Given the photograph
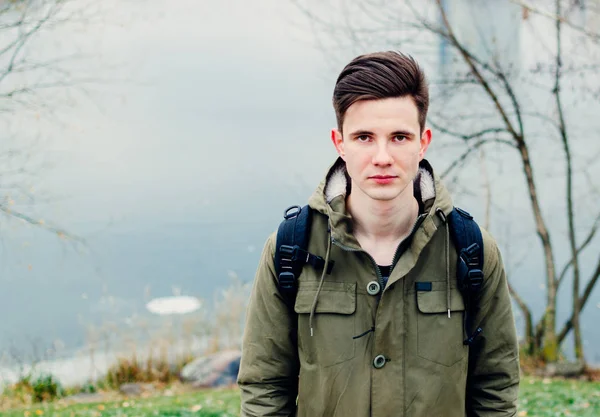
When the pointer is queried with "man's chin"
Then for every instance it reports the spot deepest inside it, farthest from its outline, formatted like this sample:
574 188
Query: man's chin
383 197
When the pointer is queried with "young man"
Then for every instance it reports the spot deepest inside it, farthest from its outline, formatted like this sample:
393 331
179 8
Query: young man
385 331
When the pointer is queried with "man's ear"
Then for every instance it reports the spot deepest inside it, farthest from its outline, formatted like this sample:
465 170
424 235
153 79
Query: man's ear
425 141
338 142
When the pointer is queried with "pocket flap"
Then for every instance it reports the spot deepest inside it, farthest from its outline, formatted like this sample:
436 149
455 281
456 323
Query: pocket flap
436 301
335 297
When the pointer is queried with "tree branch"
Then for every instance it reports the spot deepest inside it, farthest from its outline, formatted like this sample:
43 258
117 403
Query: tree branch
23 38
558 18
586 294
526 314
460 160
569 183
480 78
468 136
585 243
39 223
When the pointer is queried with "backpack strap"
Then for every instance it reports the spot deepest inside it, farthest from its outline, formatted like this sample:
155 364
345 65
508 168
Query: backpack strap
291 251
468 241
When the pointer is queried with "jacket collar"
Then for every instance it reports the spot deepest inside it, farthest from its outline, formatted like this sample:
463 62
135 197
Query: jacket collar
330 199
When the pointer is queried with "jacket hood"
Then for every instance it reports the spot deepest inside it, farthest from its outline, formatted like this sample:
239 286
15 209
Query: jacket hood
330 199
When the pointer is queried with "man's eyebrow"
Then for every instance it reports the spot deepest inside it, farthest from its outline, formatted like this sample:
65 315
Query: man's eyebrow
361 132
402 133
394 133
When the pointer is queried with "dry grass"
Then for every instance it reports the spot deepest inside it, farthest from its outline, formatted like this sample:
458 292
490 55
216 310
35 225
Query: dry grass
155 368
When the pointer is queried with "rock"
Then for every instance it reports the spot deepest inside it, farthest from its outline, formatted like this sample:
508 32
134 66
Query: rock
85 397
135 389
217 370
564 369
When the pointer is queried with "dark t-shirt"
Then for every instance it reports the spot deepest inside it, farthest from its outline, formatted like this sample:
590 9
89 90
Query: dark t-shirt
385 273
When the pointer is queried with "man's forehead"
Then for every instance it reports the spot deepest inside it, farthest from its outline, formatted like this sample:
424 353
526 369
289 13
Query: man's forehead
399 110
382 124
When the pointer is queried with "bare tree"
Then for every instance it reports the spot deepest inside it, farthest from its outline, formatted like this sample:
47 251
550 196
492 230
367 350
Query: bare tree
35 81
494 94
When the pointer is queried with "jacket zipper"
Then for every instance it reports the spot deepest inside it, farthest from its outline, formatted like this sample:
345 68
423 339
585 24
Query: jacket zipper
420 217
349 249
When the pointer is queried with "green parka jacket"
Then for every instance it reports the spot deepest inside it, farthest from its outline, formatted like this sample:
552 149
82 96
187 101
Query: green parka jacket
397 353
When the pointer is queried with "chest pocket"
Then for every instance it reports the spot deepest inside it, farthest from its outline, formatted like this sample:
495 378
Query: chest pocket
333 322
439 338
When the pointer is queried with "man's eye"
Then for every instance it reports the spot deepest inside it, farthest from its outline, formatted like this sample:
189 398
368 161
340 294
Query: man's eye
362 138
399 138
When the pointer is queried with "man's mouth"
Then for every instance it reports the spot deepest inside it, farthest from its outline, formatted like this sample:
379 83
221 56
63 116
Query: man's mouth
383 179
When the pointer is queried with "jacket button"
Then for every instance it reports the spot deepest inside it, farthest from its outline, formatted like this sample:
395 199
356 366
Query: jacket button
373 288
379 361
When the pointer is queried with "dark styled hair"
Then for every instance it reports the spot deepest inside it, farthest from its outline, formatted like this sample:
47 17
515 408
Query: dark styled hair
377 76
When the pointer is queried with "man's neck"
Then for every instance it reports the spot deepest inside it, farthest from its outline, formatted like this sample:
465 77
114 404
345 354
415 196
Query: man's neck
384 221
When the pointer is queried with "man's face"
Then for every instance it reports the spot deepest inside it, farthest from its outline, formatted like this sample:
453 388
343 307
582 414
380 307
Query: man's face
382 146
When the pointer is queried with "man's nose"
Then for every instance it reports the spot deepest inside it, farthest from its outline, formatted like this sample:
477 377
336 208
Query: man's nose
382 155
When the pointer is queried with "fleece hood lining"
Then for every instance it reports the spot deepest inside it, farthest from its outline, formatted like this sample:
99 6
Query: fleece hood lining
337 183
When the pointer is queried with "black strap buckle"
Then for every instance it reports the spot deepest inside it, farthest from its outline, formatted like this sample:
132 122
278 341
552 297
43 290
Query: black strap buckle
287 281
293 258
288 252
474 279
471 254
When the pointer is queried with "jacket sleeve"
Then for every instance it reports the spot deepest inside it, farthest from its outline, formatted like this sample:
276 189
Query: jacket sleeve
268 376
494 373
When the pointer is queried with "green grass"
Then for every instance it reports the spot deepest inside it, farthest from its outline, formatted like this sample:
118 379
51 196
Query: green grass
538 398
213 403
559 398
